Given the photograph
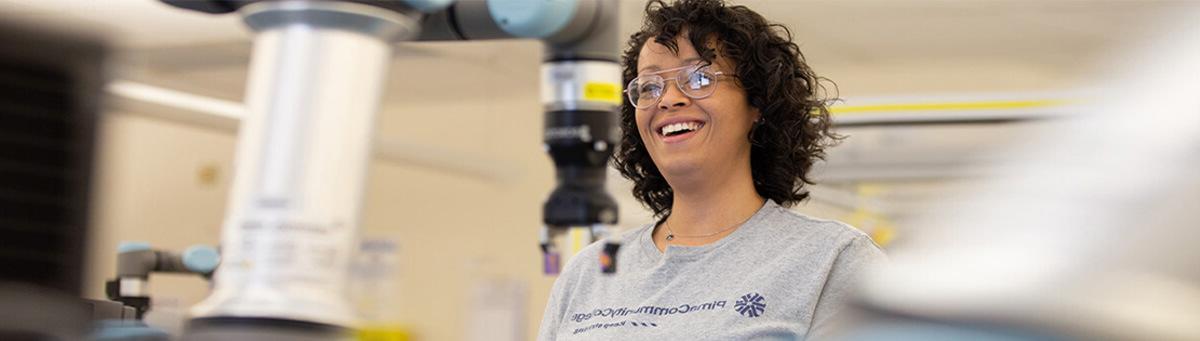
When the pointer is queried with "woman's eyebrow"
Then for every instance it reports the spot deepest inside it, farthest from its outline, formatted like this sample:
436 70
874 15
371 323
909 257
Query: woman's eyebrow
654 67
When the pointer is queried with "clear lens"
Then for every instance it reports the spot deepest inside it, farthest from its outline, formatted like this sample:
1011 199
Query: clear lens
645 91
696 83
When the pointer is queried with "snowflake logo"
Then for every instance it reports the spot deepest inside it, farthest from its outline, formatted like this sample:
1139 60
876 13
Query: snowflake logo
750 305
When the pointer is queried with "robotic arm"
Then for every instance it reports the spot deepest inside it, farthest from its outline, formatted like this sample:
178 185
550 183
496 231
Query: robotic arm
581 96
315 83
136 261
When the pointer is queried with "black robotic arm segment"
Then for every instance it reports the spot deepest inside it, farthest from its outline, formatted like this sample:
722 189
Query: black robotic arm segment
209 6
230 6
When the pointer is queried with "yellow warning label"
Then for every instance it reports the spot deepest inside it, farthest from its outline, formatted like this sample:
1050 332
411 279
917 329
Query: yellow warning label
981 105
384 333
602 92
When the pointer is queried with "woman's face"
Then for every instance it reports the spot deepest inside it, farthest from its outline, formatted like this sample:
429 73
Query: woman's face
722 121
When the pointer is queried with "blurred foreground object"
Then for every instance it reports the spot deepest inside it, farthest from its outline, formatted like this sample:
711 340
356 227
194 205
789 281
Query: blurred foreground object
1090 237
50 83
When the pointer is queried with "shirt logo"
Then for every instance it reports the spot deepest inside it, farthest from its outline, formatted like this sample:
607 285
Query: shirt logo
750 305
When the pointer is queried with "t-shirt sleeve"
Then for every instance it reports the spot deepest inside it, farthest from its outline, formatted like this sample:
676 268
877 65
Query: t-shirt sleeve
555 307
572 273
859 255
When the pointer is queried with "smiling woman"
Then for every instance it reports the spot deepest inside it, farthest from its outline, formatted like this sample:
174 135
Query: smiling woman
723 122
790 126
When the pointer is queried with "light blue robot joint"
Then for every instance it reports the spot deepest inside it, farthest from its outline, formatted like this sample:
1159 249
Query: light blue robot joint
132 246
429 6
201 258
532 18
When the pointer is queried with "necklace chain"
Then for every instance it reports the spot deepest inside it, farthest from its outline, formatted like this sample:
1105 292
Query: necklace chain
671 233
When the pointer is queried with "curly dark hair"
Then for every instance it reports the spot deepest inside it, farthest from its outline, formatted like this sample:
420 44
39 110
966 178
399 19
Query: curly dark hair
794 129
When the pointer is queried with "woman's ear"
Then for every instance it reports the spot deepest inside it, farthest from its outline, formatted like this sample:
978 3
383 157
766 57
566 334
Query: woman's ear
754 126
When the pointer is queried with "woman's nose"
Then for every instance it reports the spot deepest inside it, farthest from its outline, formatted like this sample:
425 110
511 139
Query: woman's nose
672 97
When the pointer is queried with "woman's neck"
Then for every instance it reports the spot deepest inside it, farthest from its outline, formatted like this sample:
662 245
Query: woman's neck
711 207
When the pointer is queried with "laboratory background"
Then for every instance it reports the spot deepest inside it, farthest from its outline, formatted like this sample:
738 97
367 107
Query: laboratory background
1029 165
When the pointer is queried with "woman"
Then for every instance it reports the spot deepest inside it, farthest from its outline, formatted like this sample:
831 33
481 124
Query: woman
722 125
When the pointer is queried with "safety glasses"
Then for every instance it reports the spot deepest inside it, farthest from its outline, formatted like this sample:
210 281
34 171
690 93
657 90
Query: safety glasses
694 81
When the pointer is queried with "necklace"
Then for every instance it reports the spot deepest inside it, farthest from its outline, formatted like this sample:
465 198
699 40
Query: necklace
671 234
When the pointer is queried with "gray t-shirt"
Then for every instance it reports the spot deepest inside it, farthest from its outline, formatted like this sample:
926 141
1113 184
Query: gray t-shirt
780 276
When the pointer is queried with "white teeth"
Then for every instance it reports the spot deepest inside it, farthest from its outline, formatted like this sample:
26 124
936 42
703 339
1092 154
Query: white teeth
676 127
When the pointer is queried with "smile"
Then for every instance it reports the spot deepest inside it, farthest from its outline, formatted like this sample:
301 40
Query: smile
679 131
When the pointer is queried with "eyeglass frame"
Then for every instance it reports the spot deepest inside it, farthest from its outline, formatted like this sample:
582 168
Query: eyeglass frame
717 75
